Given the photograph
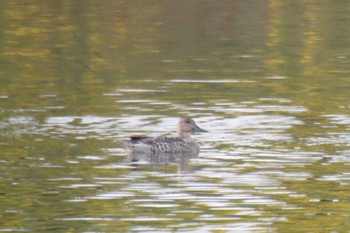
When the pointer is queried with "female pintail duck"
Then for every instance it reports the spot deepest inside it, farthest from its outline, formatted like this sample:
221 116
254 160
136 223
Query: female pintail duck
164 144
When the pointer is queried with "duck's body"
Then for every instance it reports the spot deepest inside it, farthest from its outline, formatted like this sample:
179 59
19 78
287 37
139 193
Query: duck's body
164 144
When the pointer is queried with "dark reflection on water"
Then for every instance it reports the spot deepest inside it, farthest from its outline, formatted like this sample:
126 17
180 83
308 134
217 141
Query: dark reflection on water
268 79
163 159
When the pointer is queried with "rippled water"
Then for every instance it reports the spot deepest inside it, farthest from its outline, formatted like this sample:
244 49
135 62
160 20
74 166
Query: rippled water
253 173
271 88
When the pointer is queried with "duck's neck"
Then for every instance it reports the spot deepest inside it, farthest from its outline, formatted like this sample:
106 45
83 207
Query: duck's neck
184 136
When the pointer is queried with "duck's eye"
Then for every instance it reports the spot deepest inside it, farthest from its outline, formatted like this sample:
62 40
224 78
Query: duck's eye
188 122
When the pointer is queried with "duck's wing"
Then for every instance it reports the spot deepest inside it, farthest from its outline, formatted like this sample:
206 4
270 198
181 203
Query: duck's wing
167 144
166 139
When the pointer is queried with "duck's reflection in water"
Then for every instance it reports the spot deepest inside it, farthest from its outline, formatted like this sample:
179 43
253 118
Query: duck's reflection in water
182 159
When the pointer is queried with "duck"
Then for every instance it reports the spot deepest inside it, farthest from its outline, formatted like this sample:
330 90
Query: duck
183 143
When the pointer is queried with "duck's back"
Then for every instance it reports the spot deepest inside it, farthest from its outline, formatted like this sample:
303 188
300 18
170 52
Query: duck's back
162 144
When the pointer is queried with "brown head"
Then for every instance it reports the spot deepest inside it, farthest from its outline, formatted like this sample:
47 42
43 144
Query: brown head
187 125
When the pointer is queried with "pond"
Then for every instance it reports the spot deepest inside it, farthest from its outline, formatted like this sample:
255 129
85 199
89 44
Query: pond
268 80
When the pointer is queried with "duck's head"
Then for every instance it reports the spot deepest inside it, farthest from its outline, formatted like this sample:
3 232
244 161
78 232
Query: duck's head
187 125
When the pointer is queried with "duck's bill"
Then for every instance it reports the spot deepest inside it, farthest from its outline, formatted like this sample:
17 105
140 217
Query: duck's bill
197 129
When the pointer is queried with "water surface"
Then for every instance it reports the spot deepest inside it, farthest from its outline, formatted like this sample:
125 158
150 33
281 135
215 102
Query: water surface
267 79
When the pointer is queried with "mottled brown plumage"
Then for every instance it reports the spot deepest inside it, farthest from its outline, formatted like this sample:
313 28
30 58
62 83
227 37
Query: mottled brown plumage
163 144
